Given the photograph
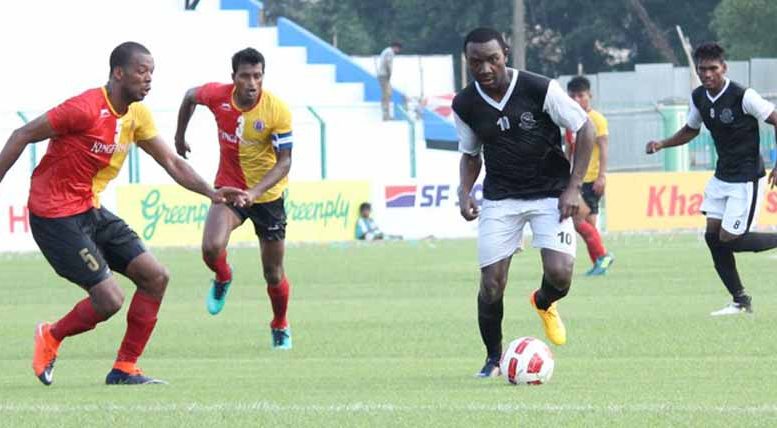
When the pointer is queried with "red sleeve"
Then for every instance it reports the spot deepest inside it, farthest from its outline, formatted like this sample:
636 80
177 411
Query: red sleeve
71 116
207 93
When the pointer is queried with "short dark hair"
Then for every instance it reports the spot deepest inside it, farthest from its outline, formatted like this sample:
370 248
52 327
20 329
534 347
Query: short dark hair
121 55
247 56
709 51
396 44
579 84
365 206
483 35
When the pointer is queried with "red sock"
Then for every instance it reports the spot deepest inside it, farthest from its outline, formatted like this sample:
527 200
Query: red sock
81 318
141 319
220 267
592 239
279 297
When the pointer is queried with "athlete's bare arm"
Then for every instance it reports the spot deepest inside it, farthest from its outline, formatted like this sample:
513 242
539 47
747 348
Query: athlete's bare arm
38 129
683 136
184 174
185 112
469 169
569 201
274 175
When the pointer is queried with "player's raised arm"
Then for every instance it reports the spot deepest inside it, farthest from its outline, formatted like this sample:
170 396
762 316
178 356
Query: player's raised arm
683 136
185 112
186 176
37 130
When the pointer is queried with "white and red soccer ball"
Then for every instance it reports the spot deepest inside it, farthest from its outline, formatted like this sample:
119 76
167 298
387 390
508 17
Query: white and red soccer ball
527 361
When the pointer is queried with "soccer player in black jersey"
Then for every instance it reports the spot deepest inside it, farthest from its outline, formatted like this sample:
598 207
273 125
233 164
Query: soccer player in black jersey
514 117
732 197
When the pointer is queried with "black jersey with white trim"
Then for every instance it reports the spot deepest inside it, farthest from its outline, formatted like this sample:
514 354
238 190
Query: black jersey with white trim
519 136
734 131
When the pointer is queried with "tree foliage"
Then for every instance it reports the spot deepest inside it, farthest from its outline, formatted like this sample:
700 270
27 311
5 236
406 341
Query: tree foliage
601 35
744 27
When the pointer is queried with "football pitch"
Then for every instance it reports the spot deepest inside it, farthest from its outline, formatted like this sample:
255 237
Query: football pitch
386 335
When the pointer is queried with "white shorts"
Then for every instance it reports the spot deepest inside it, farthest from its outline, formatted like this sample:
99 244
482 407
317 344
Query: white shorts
500 231
735 204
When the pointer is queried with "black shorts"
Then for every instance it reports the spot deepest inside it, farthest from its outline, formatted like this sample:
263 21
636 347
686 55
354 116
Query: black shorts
269 219
590 197
84 248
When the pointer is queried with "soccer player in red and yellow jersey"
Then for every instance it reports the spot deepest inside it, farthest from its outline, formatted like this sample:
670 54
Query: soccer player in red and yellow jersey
254 133
91 134
579 89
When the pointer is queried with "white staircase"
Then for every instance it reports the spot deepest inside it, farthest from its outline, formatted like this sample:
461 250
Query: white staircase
56 49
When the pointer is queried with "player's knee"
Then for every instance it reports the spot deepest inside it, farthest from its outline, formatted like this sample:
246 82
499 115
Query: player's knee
161 279
211 250
109 302
712 239
492 289
273 274
559 275
155 282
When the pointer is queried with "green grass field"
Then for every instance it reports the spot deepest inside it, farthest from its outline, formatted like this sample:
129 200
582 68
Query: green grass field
386 335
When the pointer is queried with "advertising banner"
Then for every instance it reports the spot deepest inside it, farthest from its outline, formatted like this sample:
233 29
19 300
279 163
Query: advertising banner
168 215
665 201
422 208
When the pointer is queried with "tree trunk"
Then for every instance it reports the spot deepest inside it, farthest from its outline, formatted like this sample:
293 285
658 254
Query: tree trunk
657 38
519 35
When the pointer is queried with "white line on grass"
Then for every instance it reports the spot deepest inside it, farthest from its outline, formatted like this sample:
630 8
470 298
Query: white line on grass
270 407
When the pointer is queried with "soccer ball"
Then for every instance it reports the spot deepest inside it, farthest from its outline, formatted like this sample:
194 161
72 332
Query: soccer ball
527 361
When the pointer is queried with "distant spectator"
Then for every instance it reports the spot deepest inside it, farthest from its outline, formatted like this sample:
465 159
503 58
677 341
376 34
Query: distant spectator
385 67
366 228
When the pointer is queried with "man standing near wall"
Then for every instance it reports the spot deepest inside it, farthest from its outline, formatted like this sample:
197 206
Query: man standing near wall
579 89
385 67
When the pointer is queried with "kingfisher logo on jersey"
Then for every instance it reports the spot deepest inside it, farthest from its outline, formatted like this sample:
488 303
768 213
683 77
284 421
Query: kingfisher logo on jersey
100 147
400 196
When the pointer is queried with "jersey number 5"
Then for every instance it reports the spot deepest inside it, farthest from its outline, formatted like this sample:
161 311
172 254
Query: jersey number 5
89 259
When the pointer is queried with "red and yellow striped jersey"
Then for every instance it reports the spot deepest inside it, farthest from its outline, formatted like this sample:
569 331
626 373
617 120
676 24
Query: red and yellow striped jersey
248 139
90 145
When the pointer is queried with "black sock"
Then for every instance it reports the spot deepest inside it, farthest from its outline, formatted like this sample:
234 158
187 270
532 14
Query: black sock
726 266
549 293
490 323
753 242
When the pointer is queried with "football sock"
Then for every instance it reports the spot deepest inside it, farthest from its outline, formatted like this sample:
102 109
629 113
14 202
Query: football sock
490 322
548 293
726 266
141 319
279 297
592 239
753 242
219 266
81 318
